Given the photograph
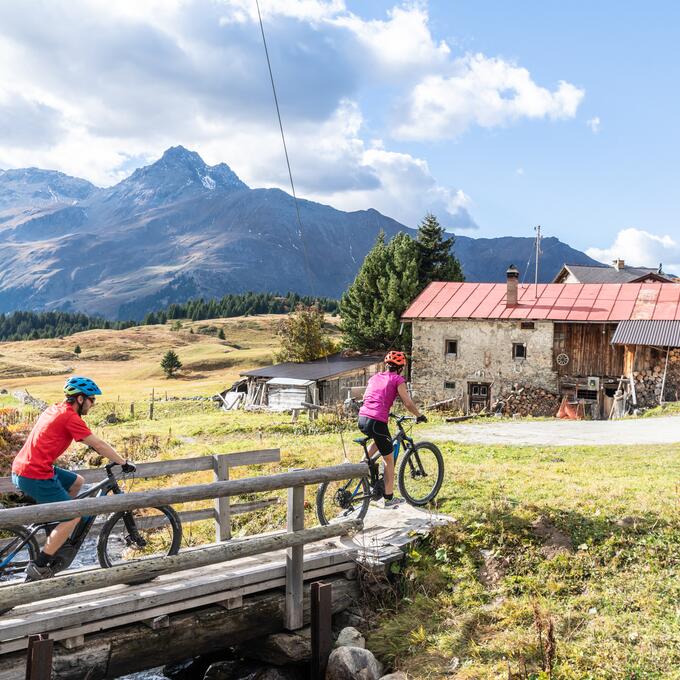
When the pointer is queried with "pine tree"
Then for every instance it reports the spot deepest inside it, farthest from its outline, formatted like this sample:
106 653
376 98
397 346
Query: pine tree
372 306
303 337
437 263
77 349
221 335
170 363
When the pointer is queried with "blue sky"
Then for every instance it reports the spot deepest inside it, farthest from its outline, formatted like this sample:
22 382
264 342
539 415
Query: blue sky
496 116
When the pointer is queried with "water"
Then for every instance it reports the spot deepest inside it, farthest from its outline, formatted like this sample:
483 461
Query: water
153 674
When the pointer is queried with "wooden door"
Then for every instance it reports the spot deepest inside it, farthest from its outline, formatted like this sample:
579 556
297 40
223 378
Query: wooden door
479 397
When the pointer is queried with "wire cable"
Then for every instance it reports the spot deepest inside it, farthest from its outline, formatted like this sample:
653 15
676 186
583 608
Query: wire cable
301 234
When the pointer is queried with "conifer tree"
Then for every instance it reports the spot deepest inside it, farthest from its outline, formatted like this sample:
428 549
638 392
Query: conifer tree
221 335
372 306
437 263
170 363
77 349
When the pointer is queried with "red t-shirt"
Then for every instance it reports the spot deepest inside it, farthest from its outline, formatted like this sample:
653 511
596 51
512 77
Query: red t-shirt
52 434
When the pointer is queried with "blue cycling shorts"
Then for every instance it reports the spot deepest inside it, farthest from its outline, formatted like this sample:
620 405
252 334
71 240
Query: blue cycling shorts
47 490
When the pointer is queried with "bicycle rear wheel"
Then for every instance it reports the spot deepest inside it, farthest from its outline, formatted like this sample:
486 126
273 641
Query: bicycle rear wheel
341 500
421 473
17 549
139 534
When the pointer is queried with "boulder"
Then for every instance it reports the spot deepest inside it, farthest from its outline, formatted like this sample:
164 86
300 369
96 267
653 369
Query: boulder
350 637
353 663
399 675
280 649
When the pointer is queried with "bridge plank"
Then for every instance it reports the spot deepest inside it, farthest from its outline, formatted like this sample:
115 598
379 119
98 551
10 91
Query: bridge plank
163 468
142 600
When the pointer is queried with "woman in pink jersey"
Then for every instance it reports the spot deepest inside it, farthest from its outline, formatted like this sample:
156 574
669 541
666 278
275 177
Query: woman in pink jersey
381 391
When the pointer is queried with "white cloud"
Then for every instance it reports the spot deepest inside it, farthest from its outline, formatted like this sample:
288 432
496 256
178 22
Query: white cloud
641 248
401 42
487 92
594 124
92 88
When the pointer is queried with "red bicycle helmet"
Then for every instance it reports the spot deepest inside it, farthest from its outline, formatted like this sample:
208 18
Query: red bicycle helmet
396 358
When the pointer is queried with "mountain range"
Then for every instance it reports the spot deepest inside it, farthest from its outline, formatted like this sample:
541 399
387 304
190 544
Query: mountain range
180 228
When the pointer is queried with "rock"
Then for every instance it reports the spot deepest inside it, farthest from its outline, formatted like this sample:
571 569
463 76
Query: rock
221 670
350 637
349 617
395 676
281 648
3 391
353 663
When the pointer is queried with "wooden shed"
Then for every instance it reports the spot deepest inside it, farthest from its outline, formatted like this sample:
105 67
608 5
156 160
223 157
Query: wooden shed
325 382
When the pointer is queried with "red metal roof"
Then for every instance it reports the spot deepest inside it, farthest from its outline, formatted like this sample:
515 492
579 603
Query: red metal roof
555 301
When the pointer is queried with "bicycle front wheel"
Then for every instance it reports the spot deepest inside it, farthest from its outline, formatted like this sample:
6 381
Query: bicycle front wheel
341 500
138 535
17 549
421 473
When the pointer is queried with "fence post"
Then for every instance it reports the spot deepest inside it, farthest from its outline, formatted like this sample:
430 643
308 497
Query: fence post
39 657
320 596
222 506
295 560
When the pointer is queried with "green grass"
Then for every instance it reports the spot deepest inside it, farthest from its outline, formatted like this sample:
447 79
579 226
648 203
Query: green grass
612 596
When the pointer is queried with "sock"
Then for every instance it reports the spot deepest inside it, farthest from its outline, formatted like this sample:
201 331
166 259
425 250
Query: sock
43 559
388 496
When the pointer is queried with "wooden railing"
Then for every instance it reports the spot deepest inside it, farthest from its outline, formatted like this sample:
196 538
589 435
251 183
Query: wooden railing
293 539
219 464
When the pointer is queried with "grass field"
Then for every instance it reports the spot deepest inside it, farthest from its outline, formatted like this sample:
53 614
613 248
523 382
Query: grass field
562 562
126 363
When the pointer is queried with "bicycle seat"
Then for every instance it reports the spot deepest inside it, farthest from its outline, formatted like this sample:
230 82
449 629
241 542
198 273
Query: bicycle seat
362 441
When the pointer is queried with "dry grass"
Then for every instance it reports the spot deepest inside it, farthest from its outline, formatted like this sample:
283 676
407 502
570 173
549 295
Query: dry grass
126 363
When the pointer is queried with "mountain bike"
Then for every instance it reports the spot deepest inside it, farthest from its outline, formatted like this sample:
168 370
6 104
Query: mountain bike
419 477
123 537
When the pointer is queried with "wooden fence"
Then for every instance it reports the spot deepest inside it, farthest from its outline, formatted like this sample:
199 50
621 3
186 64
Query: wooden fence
292 540
219 464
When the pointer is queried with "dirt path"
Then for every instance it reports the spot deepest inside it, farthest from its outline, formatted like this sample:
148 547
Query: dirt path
560 432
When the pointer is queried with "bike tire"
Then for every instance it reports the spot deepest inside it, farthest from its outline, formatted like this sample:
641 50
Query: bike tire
8 534
406 467
106 534
325 488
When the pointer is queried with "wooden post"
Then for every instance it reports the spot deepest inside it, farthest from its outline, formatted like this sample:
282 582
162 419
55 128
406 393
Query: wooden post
39 657
222 505
294 560
321 609
665 371
132 409
151 404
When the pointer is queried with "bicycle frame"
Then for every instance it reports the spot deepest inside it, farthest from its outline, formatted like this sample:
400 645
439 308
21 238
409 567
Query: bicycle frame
82 529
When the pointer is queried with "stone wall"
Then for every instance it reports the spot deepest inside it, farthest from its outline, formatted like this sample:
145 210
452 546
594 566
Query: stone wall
484 355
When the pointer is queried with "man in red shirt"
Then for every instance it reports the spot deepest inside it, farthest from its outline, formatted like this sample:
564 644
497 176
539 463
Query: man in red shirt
33 469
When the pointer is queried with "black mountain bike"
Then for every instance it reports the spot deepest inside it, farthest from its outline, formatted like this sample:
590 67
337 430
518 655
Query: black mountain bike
123 537
419 477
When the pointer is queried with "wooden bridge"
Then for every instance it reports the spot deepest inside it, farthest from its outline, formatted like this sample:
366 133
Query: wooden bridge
109 622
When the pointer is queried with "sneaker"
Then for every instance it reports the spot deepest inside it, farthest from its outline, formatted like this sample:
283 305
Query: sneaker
36 573
392 502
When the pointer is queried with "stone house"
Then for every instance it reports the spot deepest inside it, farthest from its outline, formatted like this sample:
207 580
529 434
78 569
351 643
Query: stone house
618 272
476 343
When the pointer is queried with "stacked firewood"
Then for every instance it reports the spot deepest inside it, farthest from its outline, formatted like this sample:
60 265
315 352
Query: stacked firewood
648 382
526 400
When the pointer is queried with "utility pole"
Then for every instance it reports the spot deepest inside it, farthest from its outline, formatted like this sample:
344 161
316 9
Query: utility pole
538 252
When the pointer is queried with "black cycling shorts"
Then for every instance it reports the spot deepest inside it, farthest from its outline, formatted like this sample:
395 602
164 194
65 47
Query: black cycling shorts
378 432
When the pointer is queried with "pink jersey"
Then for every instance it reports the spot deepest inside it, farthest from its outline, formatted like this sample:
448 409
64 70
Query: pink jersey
380 394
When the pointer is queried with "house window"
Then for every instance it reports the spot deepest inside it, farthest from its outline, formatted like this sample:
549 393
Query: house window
527 325
452 348
449 385
519 350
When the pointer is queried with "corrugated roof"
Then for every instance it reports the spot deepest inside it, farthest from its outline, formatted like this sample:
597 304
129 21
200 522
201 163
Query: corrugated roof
315 370
577 302
647 332
605 274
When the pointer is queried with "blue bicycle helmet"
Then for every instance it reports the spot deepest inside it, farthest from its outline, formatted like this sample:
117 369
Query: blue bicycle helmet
80 385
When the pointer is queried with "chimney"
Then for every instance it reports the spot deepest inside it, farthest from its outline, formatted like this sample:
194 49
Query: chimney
513 279
619 264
